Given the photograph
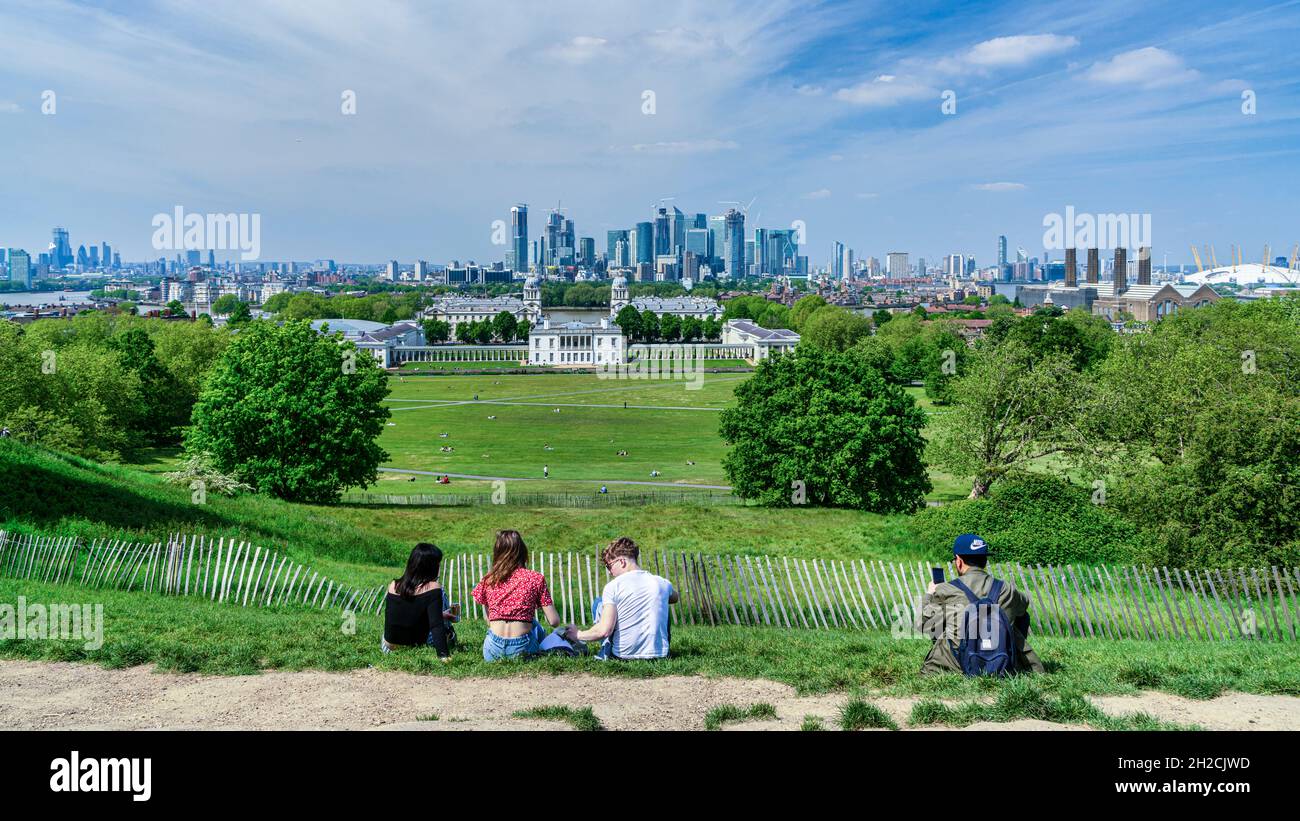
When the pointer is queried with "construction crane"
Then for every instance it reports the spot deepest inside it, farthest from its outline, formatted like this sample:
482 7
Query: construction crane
744 209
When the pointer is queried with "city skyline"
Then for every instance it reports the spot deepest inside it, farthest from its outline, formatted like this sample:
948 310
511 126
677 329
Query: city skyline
829 114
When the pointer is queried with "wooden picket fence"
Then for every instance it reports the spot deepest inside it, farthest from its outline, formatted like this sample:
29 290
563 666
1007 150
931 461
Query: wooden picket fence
1114 602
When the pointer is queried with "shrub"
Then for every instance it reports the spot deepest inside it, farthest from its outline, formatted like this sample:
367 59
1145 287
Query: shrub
1033 518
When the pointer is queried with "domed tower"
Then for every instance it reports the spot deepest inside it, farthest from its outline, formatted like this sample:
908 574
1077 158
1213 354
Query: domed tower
532 297
617 295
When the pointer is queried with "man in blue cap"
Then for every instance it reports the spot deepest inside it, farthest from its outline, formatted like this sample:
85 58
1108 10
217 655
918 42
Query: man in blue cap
944 605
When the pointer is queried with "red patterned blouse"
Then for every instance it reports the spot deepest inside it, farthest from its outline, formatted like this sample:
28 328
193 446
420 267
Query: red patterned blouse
517 599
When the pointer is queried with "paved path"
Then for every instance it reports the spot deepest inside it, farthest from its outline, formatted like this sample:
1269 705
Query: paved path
434 403
539 479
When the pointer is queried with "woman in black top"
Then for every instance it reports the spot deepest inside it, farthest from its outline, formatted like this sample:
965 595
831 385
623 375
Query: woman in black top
416 613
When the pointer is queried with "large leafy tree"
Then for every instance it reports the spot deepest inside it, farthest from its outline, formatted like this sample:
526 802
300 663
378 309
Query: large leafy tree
1010 407
292 412
827 420
805 308
629 319
834 328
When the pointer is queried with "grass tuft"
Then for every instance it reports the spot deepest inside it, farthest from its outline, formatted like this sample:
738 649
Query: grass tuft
857 714
583 719
730 714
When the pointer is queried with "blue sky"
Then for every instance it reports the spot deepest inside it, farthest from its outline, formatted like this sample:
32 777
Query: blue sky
828 113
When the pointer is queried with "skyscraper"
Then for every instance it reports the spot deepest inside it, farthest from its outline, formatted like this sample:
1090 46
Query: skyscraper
611 243
20 267
898 267
698 242
734 246
519 236
1004 272
837 260
61 248
645 242
677 230
663 233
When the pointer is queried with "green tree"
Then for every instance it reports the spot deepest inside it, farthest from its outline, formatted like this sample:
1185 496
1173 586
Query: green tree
828 425
175 308
692 329
466 332
629 319
278 302
649 326
834 328
436 330
293 413
523 329
225 304
803 309
240 314
1010 407
670 327
504 326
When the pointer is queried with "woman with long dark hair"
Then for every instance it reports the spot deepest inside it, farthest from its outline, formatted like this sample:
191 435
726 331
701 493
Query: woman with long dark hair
415 612
512 595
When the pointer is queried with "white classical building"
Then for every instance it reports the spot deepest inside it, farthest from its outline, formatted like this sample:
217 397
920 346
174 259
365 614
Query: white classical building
765 341
457 309
576 344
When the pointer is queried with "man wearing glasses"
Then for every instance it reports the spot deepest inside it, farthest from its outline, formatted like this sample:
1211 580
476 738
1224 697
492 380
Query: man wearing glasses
631 614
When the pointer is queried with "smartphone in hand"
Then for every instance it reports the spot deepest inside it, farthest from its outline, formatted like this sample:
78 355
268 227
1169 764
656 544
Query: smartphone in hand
936 575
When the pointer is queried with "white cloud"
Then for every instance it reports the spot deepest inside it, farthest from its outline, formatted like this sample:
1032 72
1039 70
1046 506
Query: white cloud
885 90
819 194
8 107
685 146
1001 186
579 50
810 91
1146 68
1017 50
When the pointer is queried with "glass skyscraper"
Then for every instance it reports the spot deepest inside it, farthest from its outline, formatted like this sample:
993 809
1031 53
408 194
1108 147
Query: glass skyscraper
519 236
645 242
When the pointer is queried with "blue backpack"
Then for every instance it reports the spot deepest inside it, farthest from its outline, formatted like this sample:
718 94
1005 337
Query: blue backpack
987 646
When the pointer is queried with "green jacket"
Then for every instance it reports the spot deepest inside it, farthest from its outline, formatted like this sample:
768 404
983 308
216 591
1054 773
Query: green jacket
941 613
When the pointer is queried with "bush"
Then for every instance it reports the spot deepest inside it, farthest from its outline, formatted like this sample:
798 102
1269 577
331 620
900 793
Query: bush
1033 518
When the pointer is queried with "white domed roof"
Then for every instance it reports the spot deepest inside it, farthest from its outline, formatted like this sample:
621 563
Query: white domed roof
619 282
1249 273
531 282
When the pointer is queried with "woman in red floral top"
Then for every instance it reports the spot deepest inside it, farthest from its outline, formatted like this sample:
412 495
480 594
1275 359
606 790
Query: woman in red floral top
512 595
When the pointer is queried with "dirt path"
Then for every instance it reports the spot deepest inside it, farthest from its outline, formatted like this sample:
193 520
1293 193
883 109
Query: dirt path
41 695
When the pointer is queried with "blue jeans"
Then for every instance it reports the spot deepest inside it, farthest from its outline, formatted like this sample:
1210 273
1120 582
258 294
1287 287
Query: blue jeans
496 648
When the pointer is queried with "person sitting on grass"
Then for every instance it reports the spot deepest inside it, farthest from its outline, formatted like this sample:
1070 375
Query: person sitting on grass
415 613
631 614
512 595
944 617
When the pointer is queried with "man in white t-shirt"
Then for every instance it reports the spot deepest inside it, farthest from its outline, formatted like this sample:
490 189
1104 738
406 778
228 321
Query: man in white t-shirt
632 612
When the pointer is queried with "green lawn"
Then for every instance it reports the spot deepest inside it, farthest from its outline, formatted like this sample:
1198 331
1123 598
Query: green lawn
199 636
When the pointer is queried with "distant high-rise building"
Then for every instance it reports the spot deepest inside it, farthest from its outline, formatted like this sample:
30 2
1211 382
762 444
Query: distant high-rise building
645 242
519 236
83 259
734 243
761 264
193 256
701 221
106 255
837 260
20 267
392 270
612 239
954 265
94 256
622 257
212 259
698 242
587 251
897 265
677 230
61 248
663 233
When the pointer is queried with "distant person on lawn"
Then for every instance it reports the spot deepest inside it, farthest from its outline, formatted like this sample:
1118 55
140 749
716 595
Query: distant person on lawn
415 611
946 618
512 595
631 614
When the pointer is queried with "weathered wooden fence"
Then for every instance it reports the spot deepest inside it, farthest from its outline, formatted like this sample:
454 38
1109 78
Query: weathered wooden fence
1067 600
